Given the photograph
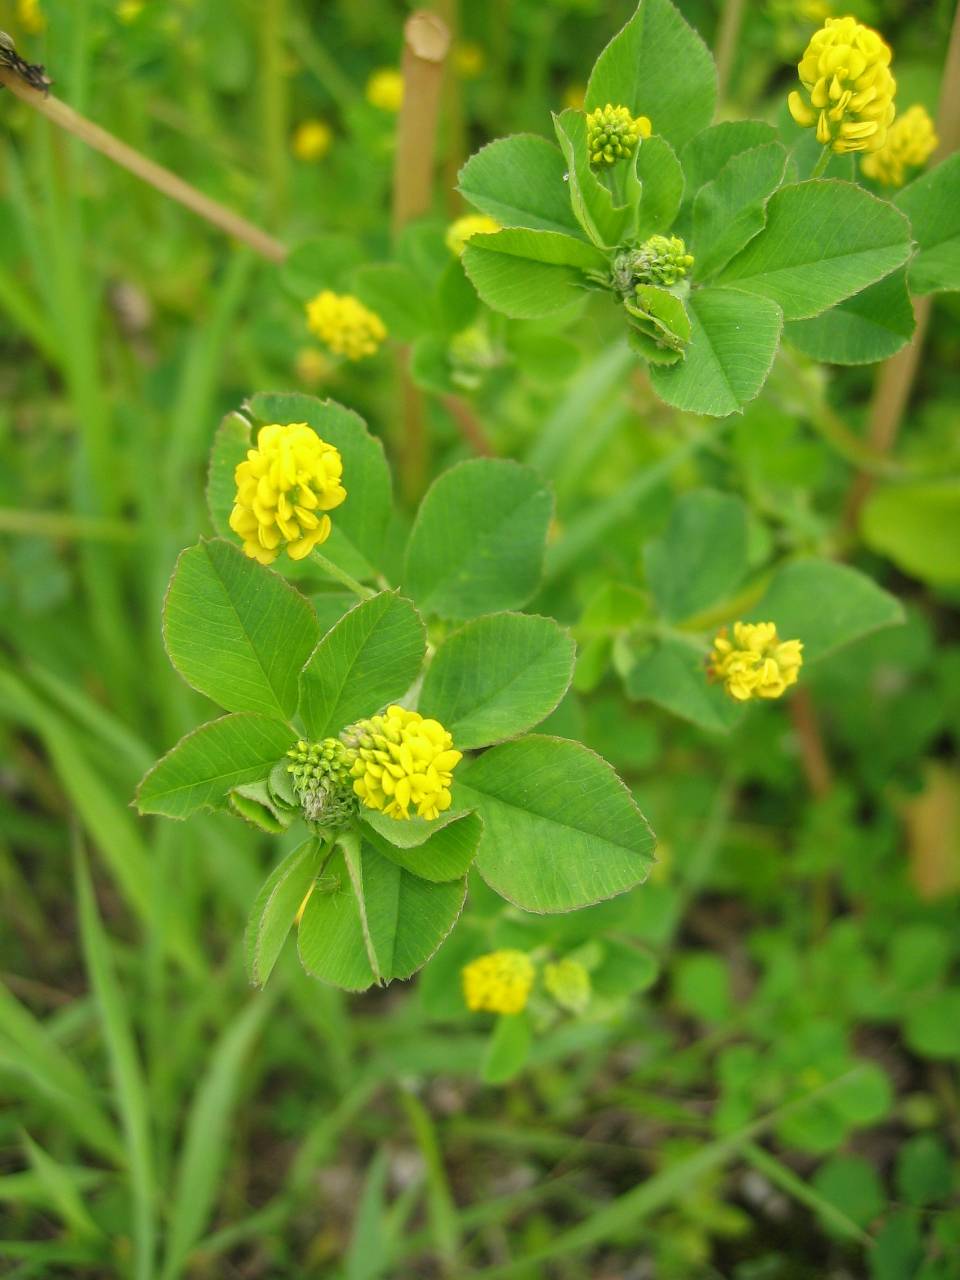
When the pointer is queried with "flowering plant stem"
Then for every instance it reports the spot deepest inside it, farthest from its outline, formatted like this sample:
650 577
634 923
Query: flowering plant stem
820 166
341 576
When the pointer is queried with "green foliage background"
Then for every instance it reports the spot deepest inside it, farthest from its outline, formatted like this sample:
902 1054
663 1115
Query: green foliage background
765 1083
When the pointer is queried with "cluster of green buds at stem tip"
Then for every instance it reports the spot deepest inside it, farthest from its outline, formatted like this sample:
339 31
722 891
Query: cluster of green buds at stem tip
612 134
322 781
661 260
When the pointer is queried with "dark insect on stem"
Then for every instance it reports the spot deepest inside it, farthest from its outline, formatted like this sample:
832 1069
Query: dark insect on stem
30 72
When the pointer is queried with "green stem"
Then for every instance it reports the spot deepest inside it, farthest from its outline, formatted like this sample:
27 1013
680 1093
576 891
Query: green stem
820 166
341 576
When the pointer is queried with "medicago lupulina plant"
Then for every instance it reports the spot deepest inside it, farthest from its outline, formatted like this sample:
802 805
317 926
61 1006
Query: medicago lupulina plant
717 241
404 762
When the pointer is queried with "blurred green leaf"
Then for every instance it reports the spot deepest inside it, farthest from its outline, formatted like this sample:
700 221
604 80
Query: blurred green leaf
702 555
917 526
507 1049
932 203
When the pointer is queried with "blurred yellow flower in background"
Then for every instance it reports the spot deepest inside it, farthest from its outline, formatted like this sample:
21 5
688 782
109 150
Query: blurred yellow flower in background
312 140
31 17
346 326
911 141
385 89
468 59
471 224
498 982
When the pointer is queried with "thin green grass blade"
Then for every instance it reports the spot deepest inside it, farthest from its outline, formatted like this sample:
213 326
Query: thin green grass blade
442 1210
783 1177
62 1191
129 1088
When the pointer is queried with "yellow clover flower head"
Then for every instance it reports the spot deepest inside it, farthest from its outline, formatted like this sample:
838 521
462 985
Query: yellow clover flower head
385 90
755 663
612 133
346 326
284 488
498 982
569 984
31 17
402 760
848 89
660 260
911 141
471 224
312 140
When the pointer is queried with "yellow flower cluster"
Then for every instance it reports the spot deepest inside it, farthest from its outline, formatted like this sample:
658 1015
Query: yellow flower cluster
498 982
385 90
911 141
31 17
471 224
403 760
612 133
468 60
312 140
284 486
755 663
346 326
849 90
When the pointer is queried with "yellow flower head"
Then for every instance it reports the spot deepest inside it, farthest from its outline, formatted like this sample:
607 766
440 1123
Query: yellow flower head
312 140
385 90
312 366
284 487
498 982
848 89
569 984
403 760
755 663
130 10
468 60
346 326
911 141
31 17
612 133
471 224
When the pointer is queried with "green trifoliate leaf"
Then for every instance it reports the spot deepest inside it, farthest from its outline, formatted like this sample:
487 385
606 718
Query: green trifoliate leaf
825 605
497 677
661 181
561 831
369 658
870 326
276 907
658 67
734 340
673 675
205 766
702 555
932 203
445 855
520 182
524 288
729 211
823 241
705 156
396 293
659 325
236 631
478 540
917 526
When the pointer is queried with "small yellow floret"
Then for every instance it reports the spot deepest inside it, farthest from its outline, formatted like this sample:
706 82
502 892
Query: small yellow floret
385 90
403 760
468 60
471 224
498 982
31 17
311 140
911 141
755 663
612 133
848 89
346 326
569 984
284 487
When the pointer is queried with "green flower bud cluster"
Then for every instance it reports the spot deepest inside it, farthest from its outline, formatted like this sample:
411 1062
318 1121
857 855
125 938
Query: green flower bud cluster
612 133
322 781
660 260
